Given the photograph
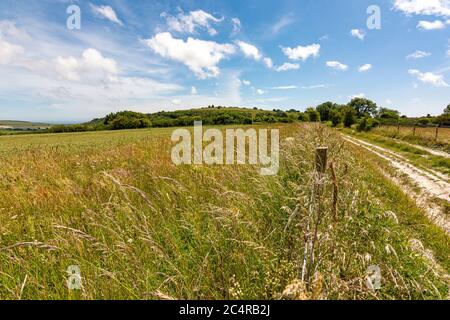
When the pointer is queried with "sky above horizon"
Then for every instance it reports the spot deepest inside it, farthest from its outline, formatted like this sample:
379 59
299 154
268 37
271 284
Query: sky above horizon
150 56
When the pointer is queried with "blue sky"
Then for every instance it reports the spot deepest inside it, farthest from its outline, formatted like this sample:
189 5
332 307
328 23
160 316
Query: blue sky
164 55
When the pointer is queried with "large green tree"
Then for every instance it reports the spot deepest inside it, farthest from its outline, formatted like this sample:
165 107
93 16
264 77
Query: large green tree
325 110
349 114
313 114
447 109
363 107
386 113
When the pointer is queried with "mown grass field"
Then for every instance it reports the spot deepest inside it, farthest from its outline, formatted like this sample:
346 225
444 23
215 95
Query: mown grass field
140 227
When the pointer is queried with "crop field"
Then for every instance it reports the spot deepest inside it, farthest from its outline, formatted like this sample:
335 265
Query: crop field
421 135
138 227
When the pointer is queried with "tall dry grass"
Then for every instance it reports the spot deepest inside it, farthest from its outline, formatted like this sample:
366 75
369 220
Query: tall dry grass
141 228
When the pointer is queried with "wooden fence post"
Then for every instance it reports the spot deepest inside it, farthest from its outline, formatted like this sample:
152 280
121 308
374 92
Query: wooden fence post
437 132
414 129
321 159
398 128
321 167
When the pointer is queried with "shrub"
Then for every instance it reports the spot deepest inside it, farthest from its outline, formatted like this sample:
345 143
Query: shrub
313 115
349 116
367 124
336 118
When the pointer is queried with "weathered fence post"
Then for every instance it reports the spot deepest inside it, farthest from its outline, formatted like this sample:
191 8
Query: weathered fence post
437 132
321 160
320 167
414 129
398 128
335 190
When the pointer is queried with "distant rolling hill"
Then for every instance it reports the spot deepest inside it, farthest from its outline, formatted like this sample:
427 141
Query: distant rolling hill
22 125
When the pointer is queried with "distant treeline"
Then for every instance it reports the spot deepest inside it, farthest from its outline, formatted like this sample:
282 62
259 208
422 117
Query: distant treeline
209 116
360 113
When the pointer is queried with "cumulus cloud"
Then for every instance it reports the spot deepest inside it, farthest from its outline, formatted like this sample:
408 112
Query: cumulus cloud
252 52
201 57
106 12
260 92
190 22
92 63
9 52
337 65
268 62
429 78
357 33
423 7
246 82
194 91
418 55
249 50
288 66
365 67
430 25
302 52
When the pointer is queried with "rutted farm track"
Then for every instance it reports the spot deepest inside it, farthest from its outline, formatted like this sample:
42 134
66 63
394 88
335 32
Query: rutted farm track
432 184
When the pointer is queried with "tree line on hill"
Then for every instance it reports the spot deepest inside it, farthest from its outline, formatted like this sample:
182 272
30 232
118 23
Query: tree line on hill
361 113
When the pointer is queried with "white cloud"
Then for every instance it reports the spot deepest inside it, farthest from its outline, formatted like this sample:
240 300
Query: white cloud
418 55
246 82
429 78
359 95
188 23
357 33
302 53
8 29
337 65
202 57
249 50
365 67
252 52
260 92
236 26
423 7
92 64
106 12
282 23
38 83
9 52
268 62
176 101
318 86
430 25
194 91
285 87
288 66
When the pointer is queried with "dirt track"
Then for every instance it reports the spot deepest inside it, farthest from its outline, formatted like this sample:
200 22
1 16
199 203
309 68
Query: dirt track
432 184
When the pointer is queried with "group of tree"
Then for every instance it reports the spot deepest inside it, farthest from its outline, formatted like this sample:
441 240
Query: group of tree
361 113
